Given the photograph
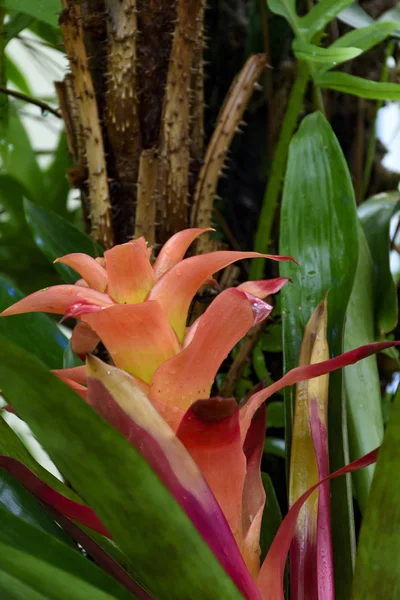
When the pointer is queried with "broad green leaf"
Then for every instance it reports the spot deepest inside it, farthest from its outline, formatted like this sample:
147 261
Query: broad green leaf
51 581
362 379
56 178
275 446
45 10
355 16
49 33
259 364
285 8
16 500
13 221
271 340
377 572
20 259
20 534
315 54
319 228
18 158
34 332
116 481
272 516
366 38
70 359
375 215
321 14
15 76
11 445
358 86
12 588
15 25
56 237
275 415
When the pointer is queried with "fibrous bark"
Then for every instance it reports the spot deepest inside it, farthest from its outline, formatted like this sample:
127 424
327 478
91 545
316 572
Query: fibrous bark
133 105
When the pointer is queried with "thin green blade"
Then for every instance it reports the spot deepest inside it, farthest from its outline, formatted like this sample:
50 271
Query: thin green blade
378 567
362 379
358 86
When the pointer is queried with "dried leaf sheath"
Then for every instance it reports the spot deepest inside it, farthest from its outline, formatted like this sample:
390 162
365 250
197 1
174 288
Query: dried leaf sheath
145 217
230 117
197 104
311 551
100 208
121 112
304 474
175 127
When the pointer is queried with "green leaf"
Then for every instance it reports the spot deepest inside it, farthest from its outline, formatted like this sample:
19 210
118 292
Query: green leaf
51 581
20 259
272 516
377 572
271 339
45 10
375 215
276 415
366 38
13 222
15 499
358 86
11 445
35 332
117 482
362 379
15 76
315 54
56 237
21 534
275 446
286 9
15 25
355 16
18 158
259 364
48 33
56 178
13 589
321 14
393 14
70 359
319 228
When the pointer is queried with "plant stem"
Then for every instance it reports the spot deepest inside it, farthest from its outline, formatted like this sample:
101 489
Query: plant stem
45 107
318 98
267 215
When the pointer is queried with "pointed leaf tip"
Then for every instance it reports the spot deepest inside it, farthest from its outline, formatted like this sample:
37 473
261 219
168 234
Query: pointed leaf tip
88 268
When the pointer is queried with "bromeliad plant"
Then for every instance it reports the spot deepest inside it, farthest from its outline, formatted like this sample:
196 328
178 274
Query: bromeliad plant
204 449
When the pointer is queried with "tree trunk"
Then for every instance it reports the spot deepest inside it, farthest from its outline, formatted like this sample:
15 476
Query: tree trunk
133 105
